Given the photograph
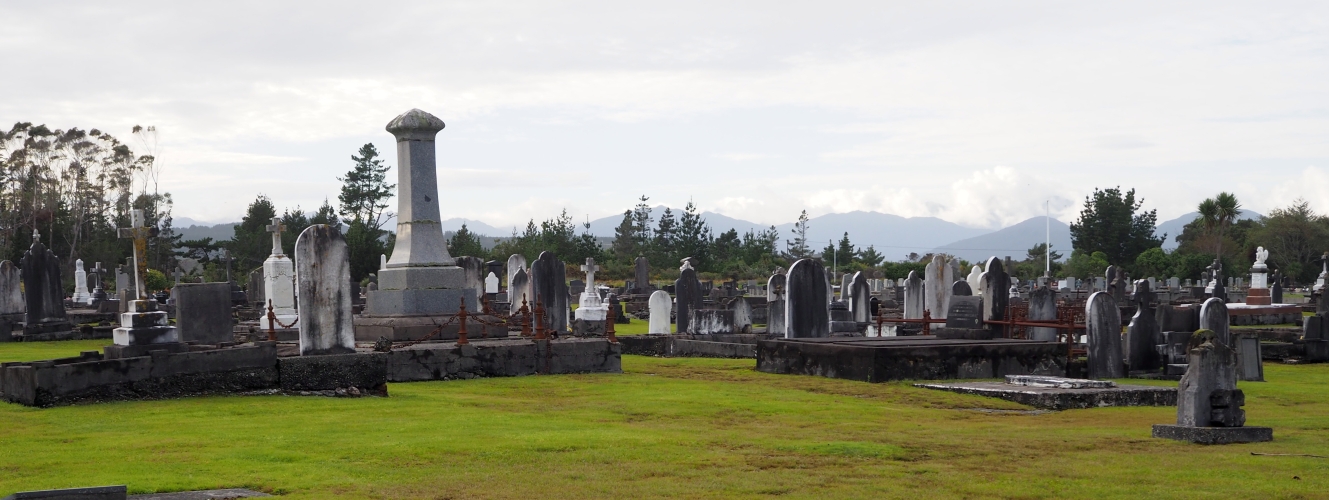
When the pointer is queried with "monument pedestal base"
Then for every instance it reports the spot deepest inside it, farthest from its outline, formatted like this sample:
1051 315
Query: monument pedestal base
1259 297
1214 435
144 325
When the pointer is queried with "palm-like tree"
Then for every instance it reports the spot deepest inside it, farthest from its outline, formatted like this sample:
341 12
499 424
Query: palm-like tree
1218 213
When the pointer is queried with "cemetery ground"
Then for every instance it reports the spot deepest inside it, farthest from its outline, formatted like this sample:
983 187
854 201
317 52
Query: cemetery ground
686 428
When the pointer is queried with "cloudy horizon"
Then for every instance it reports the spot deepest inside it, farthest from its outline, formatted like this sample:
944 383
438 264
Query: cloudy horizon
974 113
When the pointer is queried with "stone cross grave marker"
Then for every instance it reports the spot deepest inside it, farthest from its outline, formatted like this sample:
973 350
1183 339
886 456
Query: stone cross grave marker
590 268
140 235
276 229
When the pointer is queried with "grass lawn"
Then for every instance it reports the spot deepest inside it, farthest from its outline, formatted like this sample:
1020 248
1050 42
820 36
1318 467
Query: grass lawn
684 428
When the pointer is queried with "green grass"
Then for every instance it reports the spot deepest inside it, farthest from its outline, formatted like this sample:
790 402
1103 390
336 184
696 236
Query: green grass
682 428
32 351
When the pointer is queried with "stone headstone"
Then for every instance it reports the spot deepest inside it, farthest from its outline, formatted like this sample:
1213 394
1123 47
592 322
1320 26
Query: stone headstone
323 277
642 273
42 289
964 311
742 315
519 290
995 292
807 314
257 294
491 283
549 286
687 290
960 288
914 298
1276 288
590 306
844 286
11 294
1250 361
515 262
203 312
775 303
1214 317
860 298
1042 307
937 291
975 280
660 305
1143 332
81 295
1103 327
475 278
1213 368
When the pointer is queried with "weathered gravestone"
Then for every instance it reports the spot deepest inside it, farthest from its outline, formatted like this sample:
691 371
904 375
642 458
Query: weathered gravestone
1103 327
1042 307
1209 402
965 311
256 293
961 289
660 305
1276 288
11 293
42 290
642 274
914 300
742 315
860 303
846 282
687 291
995 292
516 262
1214 317
549 285
475 279
775 303
519 291
491 284
203 312
1143 333
937 294
807 314
278 281
323 275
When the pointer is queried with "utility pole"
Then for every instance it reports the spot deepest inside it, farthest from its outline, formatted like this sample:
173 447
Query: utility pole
1047 258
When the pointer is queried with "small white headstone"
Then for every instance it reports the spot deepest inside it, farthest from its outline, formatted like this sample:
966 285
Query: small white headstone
661 306
491 283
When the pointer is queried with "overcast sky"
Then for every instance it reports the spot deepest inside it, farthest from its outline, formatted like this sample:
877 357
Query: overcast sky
973 112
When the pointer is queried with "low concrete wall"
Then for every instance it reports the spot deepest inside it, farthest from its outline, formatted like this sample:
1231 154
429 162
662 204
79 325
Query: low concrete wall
864 360
365 370
504 359
688 345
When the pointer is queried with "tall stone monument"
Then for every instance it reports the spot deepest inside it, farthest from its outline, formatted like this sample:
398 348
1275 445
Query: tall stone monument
1259 293
421 282
323 273
589 305
81 295
141 323
278 280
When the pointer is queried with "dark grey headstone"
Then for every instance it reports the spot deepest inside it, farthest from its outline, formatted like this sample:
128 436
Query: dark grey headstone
961 288
1143 333
42 289
1103 327
642 273
806 309
687 296
1276 289
323 279
996 292
256 290
1313 328
203 312
965 311
549 285
1042 307
576 287
1250 360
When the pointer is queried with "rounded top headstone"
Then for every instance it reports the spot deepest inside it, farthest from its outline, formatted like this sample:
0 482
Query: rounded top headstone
415 125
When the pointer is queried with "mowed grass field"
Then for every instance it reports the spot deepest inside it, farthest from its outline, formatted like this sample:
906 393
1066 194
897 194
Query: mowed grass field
680 428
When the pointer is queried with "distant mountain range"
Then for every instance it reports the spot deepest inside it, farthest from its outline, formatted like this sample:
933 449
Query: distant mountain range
892 235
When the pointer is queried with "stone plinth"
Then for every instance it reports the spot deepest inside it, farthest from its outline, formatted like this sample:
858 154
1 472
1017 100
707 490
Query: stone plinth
1259 297
1214 435
144 324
